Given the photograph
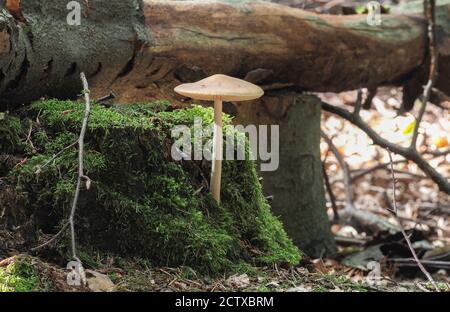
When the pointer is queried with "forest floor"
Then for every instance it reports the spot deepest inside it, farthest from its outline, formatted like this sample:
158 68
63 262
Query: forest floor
26 273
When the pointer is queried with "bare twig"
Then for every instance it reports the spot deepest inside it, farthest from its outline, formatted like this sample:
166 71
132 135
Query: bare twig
329 188
360 173
28 140
371 92
53 239
105 98
429 263
56 156
430 17
347 178
330 194
405 235
350 240
394 209
438 153
358 102
81 175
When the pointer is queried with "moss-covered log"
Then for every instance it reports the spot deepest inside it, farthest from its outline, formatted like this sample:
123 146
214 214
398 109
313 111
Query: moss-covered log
141 49
142 202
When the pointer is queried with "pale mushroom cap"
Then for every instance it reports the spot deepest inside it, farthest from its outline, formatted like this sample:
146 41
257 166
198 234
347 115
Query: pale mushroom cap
220 87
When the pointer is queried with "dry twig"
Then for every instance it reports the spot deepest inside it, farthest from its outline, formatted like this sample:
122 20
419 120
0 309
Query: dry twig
394 213
81 176
330 194
347 178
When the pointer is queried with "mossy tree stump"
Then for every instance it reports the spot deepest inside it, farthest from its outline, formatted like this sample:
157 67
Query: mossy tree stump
141 202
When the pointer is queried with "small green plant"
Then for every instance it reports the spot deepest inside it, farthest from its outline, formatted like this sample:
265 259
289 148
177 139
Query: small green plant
20 276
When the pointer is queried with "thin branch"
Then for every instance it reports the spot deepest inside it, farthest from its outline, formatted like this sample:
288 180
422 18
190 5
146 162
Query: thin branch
438 153
430 17
361 217
394 209
330 194
81 175
412 262
360 173
371 92
394 212
329 188
28 140
56 156
105 98
358 103
53 239
347 178
350 240
408 153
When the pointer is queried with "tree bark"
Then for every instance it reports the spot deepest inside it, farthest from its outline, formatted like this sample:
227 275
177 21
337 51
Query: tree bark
141 49
42 55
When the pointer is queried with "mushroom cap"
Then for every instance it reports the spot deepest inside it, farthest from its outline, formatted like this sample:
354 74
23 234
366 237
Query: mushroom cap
220 87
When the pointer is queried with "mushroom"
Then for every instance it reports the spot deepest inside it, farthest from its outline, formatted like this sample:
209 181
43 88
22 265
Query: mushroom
219 88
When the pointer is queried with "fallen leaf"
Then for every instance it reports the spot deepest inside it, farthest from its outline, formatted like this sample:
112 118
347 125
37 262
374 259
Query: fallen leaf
238 281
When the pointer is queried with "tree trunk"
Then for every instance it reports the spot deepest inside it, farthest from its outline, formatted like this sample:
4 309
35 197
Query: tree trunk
297 185
141 49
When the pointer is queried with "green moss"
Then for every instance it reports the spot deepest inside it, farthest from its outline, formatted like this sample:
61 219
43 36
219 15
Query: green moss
143 203
332 281
441 285
20 276
243 267
11 131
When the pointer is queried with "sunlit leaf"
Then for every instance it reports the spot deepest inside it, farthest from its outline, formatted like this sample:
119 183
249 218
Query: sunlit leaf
360 9
440 142
409 127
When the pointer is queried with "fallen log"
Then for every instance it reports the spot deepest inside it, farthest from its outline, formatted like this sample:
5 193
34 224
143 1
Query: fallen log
140 49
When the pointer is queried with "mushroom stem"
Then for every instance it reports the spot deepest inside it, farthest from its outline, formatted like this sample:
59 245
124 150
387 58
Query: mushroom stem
216 168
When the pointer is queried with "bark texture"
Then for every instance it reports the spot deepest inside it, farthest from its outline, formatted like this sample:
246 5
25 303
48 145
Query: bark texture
42 55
